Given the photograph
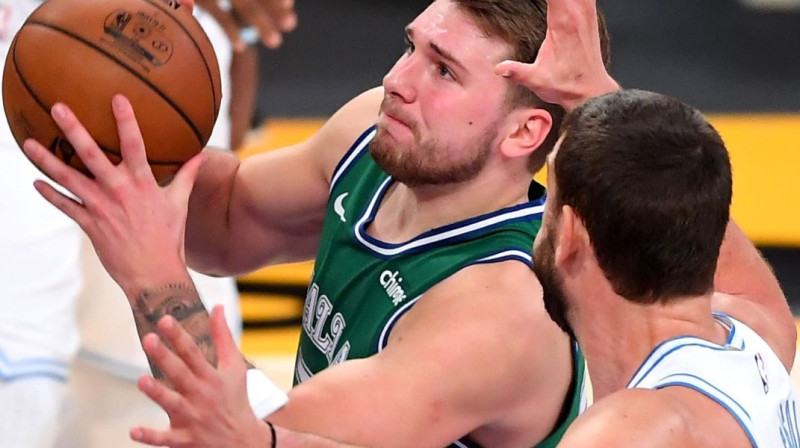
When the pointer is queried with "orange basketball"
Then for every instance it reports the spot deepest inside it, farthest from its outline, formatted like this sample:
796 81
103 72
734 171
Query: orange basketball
83 52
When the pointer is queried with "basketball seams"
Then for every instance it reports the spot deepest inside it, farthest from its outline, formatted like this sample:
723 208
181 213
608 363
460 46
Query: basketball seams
46 109
190 35
198 134
13 55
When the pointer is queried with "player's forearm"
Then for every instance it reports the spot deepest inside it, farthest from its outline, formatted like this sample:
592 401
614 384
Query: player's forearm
179 300
207 223
244 86
743 272
286 438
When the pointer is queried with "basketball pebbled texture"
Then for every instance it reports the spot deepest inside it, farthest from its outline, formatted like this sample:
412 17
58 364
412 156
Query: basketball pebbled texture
83 52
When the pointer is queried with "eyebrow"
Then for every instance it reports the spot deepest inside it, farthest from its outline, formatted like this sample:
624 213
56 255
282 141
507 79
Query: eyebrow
444 54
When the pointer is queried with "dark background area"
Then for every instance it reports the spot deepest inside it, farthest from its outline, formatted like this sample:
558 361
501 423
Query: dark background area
717 55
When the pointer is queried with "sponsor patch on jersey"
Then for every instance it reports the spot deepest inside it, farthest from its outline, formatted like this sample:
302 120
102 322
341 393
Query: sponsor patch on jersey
391 282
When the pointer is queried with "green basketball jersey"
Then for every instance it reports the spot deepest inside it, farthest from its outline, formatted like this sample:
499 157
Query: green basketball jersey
361 286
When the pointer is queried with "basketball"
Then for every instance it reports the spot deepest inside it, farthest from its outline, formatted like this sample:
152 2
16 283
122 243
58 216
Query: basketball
83 52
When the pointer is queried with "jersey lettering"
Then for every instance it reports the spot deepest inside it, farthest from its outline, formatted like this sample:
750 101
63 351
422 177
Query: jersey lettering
391 284
316 312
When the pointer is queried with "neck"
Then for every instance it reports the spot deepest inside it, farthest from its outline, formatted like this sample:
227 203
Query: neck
406 212
617 335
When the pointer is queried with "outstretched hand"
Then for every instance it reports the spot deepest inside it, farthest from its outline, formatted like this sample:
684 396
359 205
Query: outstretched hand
136 227
569 68
207 406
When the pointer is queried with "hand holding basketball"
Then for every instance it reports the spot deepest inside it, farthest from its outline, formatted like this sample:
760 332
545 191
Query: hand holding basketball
129 218
83 52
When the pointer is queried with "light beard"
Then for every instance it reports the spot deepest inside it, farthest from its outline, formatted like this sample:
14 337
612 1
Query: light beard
428 162
555 301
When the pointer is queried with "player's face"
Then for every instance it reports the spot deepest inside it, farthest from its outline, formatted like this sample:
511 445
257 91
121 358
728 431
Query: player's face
443 103
544 264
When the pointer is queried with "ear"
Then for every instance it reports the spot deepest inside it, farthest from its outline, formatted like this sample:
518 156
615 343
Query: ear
572 238
527 129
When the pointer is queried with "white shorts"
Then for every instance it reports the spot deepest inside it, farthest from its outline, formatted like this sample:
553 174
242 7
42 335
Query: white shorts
35 417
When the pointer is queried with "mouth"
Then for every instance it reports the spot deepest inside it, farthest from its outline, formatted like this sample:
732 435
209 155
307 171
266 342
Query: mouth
387 118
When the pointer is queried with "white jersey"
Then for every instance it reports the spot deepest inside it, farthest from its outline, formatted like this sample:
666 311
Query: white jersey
744 376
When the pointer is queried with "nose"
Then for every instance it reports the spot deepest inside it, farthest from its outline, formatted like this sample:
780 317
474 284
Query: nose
399 82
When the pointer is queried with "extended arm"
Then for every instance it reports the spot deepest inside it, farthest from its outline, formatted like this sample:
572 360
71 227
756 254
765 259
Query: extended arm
453 365
748 290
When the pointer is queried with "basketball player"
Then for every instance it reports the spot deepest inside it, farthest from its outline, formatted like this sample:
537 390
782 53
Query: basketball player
39 279
639 194
425 220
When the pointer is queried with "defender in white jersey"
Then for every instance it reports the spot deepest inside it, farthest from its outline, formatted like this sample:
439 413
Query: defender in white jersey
744 376
687 334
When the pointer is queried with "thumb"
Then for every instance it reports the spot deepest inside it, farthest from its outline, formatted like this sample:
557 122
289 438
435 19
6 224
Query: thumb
519 73
183 182
227 352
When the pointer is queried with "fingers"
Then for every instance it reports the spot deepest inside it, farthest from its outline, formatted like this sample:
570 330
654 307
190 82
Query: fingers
189 4
170 401
66 176
83 143
187 359
271 17
175 370
227 351
289 21
67 205
262 18
153 437
517 72
134 155
180 188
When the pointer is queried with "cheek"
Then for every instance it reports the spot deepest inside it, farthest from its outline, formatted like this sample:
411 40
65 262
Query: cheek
457 114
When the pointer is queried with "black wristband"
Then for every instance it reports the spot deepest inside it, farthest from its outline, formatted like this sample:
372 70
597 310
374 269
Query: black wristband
272 433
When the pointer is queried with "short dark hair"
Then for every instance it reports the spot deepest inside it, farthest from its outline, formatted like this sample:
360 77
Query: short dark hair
523 25
650 179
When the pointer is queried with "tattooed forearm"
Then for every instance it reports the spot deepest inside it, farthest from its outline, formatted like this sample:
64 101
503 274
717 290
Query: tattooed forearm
180 301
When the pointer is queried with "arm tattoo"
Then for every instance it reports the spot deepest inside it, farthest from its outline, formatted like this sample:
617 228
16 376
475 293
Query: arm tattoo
182 302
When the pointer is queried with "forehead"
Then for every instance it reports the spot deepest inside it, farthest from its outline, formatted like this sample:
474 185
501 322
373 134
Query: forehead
446 24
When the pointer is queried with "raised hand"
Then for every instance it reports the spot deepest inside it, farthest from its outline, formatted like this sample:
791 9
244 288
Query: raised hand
207 406
569 68
136 226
